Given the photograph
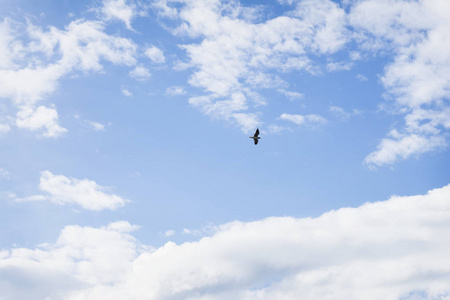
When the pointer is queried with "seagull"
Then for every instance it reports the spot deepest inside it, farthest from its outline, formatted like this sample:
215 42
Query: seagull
255 137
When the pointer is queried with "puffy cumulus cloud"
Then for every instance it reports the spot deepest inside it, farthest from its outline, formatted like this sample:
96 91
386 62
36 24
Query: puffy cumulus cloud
33 60
81 257
394 249
236 52
42 119
418 78
83 192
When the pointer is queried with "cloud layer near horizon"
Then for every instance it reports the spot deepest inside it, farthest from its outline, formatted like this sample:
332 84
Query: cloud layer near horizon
394 249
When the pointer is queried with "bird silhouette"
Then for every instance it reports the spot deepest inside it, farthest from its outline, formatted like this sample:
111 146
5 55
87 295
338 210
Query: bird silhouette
255 137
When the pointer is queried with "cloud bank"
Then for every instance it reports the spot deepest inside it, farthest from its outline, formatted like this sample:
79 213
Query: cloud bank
394 249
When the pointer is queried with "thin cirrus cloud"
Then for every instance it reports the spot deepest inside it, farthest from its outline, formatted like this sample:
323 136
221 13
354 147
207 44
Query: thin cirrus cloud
394 249
86 193
311 119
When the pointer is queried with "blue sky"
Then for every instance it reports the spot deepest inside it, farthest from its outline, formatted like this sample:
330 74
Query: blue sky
125 155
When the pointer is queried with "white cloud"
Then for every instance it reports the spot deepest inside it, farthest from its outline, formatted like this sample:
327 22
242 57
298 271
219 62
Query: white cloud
339 66
169 233
127 93
96 126
418 34
238 55
276 128
29 198
229 110
155 54
34 60
291 95
304 119
403 146
84 192
383 250
8 48
4 128
361 77
122 227
342 113
175 91
40 118
120 10
82 256
140 73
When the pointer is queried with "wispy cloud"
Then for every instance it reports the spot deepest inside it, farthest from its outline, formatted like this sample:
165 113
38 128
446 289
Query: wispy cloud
175 91
96 126
361 77
342 114
310 119
4 174
291 95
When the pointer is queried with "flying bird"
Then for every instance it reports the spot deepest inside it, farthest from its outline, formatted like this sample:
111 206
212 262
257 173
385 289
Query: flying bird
255 137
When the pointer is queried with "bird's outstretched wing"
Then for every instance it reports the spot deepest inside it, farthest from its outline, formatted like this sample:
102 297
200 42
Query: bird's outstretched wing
256 141
256 132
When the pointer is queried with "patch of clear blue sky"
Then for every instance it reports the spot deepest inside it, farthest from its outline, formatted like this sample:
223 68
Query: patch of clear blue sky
179 168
